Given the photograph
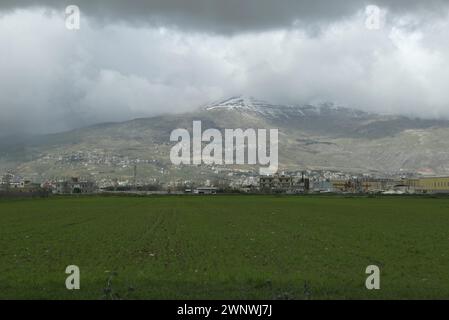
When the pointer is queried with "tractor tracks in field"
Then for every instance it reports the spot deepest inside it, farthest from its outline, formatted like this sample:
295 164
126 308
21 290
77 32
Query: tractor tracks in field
159 240
78 222
146 242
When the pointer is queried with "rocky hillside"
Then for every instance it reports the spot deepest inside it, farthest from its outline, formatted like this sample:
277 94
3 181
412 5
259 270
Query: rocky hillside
316 137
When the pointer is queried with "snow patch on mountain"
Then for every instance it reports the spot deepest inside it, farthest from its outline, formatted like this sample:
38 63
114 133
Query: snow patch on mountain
252 105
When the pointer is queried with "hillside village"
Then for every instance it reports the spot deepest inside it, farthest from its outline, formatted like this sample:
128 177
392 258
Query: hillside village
341 150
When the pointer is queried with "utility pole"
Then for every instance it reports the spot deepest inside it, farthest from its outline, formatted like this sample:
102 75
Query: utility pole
135 177
7 181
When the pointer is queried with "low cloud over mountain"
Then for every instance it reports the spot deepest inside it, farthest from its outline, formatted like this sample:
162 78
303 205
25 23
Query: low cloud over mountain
147 58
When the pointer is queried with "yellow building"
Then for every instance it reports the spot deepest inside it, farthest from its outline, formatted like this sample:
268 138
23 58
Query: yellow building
429 185
340 185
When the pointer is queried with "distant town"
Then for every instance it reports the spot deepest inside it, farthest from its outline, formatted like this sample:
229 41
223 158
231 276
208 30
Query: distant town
227 181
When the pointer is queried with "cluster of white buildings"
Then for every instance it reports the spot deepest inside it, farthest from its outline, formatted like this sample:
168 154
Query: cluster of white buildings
10 181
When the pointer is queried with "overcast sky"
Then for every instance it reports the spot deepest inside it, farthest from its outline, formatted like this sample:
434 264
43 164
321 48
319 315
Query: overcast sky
143 58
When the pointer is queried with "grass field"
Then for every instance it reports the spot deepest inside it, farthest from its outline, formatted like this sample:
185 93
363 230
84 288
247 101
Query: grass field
224 247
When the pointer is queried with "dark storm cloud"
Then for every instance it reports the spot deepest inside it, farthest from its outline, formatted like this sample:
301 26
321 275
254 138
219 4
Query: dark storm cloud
120 65
226 16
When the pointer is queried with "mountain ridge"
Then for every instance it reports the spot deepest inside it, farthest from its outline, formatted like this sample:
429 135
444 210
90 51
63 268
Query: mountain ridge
319 137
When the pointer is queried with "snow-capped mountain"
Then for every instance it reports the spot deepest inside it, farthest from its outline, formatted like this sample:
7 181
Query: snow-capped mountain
316 136
239 102
251 104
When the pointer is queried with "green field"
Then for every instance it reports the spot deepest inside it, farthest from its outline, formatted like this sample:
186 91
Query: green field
224 247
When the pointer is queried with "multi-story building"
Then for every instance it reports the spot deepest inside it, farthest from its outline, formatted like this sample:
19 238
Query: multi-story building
283 183
276 183
74 186
429 185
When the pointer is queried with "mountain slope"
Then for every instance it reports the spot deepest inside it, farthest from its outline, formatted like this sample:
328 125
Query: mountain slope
319 137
